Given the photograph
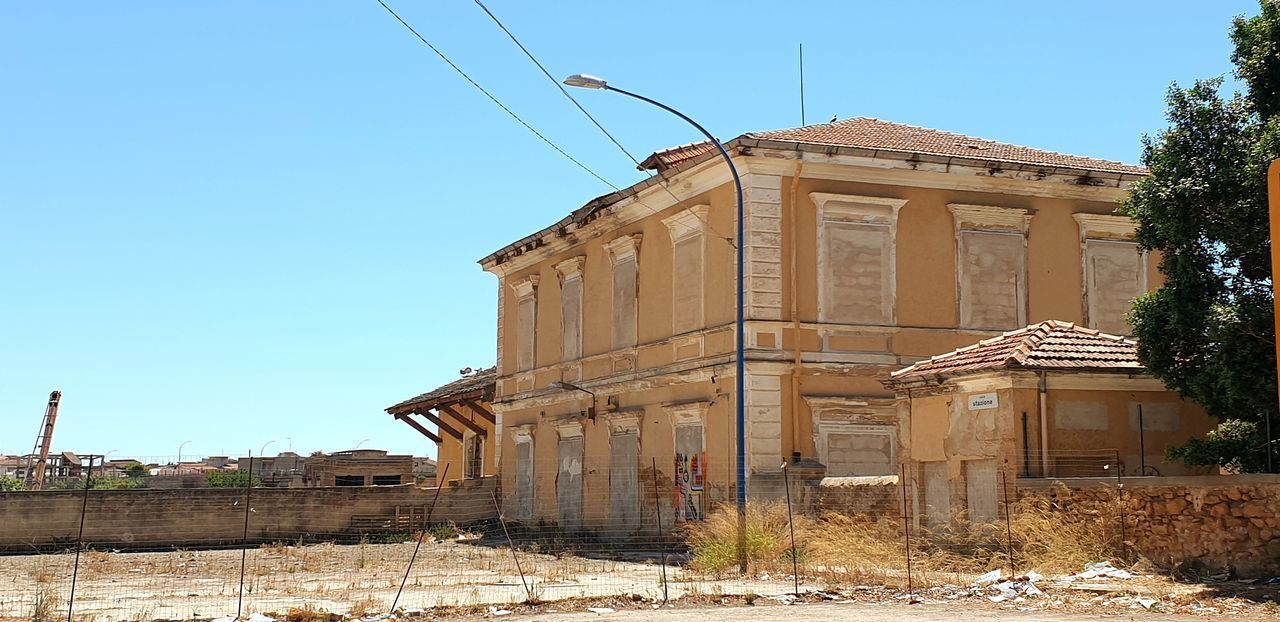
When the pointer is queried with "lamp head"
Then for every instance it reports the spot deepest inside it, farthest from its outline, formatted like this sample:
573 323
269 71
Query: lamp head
584 81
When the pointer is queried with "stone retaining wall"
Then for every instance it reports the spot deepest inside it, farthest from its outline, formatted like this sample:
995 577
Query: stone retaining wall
1220 522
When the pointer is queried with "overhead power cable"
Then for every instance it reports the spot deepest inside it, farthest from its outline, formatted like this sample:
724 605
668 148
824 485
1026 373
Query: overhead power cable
595 122
494 99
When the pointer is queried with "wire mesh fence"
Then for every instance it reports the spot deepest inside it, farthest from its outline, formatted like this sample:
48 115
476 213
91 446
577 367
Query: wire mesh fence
560 529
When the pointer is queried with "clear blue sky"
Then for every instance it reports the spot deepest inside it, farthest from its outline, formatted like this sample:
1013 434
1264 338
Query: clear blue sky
237 222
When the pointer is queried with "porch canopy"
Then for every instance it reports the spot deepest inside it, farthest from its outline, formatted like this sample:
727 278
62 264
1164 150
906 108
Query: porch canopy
453 408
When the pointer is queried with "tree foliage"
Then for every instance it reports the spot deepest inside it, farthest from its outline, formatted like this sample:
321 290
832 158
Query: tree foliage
1208 332
230 479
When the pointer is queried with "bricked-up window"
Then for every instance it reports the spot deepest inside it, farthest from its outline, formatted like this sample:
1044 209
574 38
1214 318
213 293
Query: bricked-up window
856 257
991 266
1115 270
686 268
522 500
526 291
570 271
624 255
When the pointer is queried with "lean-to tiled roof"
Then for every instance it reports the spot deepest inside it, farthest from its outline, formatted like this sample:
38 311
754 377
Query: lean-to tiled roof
480 383
1049 345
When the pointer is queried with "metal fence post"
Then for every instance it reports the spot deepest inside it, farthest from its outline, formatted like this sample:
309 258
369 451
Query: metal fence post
791 524
421 534
528 592
906 526
244 538
1008 523
84 509
662 544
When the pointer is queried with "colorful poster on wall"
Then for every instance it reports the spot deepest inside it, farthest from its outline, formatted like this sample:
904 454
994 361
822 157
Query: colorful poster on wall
691 479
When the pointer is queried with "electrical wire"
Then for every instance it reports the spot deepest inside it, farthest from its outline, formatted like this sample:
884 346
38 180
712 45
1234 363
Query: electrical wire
595 122
495 100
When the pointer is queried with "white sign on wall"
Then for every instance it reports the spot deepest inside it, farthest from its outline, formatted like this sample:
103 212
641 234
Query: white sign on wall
983 401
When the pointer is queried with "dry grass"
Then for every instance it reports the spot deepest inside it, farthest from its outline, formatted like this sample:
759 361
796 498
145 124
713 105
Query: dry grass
859 548
307 613
45 604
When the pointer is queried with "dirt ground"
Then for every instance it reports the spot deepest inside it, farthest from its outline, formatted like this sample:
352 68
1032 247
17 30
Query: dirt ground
452 580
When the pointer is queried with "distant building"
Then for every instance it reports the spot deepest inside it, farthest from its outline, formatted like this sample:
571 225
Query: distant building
359 467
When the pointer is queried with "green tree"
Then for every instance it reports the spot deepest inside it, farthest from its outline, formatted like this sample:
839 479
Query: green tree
230 479
1209 331
11 484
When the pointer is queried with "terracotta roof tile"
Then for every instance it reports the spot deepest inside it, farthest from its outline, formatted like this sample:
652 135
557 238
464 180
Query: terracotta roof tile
673 156
869 133
483 380
1048 345
876 134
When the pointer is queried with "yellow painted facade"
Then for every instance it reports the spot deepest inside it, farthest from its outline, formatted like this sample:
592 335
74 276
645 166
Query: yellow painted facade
918 245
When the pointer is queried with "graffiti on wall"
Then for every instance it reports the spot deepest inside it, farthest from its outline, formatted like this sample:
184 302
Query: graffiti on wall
691 479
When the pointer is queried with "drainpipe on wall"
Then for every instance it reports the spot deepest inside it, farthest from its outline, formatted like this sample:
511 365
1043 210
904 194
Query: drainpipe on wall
1044 427
795 319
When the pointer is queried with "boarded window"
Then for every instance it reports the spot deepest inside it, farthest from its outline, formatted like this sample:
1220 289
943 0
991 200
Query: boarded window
687 283
980 488
571 318
522 501
624 499
937 493
569 484
526 333
1114 276
624 302
855 450
856 275
992 280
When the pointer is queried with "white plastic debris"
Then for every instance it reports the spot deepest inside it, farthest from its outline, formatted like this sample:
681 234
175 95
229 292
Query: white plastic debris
499 612
1099 569
600 610
1146 602
258 617
225 619
990 577
785 599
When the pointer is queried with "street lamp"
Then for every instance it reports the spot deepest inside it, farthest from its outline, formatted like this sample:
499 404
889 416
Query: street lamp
184 444
592 82
569 386
360 443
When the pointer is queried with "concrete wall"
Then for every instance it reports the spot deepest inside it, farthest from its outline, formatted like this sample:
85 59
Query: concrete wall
215 516
1221 522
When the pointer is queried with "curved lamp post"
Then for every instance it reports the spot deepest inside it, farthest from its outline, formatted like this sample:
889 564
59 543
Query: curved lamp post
591 82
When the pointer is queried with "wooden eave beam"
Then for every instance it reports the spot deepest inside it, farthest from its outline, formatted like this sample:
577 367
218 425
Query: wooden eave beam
444 427
419 427
464 420
481 410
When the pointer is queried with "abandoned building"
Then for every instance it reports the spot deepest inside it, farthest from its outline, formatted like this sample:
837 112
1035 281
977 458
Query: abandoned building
466 445
870 246
358 467
1049 400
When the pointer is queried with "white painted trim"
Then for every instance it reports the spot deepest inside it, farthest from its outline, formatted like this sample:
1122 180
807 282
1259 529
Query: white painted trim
571 268
688 413
623 422
523 433
1106 227
869 212
990 218
691 221
624 247
526 287
569 429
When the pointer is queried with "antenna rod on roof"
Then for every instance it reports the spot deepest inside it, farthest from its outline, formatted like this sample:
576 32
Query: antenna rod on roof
802 85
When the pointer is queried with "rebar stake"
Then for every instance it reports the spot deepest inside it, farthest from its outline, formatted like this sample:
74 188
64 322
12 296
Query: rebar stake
421 534
662 544
512 546
244 538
